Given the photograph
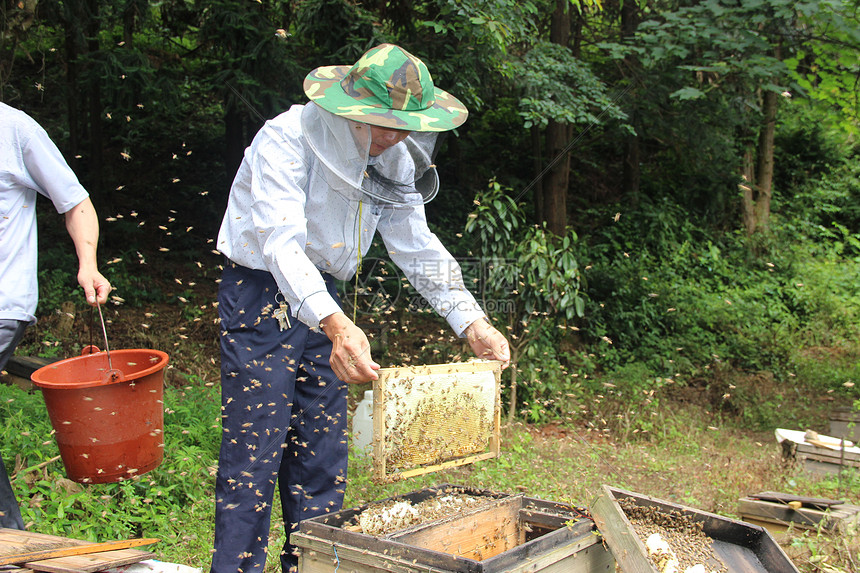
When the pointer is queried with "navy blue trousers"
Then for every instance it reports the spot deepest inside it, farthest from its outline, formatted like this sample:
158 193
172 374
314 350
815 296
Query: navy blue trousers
11 332
283 421
10 514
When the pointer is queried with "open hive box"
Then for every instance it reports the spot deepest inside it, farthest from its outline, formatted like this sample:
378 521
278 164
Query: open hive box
700 541
465 531
427 418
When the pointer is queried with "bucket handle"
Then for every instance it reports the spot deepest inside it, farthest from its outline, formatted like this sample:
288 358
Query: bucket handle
111 374
93 348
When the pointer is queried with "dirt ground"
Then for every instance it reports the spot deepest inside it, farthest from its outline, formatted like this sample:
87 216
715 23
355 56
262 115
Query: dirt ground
707 470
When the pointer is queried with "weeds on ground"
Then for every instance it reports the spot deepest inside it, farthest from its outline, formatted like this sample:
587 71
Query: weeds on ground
694 460
173 503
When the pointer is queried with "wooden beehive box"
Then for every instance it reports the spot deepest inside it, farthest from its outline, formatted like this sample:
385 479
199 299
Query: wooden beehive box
428 418
822 454
740 546
508 533
845 423
772 510
827 460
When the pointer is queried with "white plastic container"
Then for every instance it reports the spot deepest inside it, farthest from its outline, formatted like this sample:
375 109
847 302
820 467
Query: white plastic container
362 423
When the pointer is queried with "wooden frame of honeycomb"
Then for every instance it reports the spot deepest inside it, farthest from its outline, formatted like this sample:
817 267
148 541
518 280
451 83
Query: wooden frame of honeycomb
428 418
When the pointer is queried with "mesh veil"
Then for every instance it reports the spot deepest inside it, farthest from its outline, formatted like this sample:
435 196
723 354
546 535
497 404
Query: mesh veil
403 175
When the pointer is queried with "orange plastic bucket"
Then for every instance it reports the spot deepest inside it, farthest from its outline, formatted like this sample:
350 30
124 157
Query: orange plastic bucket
107 410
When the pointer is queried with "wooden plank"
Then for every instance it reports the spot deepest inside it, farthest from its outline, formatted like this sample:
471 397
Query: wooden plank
846 414
848 429
379 464
541 520
577 549
89 563
558 545
437 467
24 384
428 369
87 548
594 558
317 555
848 454
329 527
777 530
821 468
833 518
612 522
564 550
17 541
829 456
24 366
475 536
496 436
385 557
814 502
779 513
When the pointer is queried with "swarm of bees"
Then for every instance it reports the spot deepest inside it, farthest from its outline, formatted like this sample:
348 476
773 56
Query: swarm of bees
433 418
428 436
384 517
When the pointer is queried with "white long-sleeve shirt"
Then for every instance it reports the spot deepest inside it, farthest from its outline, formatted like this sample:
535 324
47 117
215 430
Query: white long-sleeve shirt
30 163
283 217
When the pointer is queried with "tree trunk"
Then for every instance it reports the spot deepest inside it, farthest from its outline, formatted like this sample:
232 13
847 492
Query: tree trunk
555 185
129 23
747 195
631 172
764 172
234 132
537 161
96 147
72 109
557 180
512 403
757 188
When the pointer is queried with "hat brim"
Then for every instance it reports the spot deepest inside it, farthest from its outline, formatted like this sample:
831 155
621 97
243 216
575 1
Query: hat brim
323 87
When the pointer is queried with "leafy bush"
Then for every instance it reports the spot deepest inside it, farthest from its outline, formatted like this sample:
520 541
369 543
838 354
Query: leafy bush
155 504
529 285
660 294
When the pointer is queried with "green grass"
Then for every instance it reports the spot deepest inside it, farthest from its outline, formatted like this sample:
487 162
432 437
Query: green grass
693 457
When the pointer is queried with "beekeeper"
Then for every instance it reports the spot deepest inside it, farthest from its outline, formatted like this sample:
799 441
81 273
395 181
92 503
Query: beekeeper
315 185
31 164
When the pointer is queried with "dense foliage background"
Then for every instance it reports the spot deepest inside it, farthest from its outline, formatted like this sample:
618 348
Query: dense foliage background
659 190
658 200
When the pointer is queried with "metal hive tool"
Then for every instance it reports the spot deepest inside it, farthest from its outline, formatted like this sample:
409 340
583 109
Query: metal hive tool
428 418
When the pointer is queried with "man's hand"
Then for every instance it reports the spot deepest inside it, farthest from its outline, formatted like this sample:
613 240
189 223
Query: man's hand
96 287
487 342
350 353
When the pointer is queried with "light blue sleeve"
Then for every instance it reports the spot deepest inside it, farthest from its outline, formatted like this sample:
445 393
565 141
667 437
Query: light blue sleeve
278 175
428 265
50 173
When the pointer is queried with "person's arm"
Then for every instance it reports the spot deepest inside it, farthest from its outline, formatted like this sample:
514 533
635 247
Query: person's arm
83 226
278 169
432 270
56 180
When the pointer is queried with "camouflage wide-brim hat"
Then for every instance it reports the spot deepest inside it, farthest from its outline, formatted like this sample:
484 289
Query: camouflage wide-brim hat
388 87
